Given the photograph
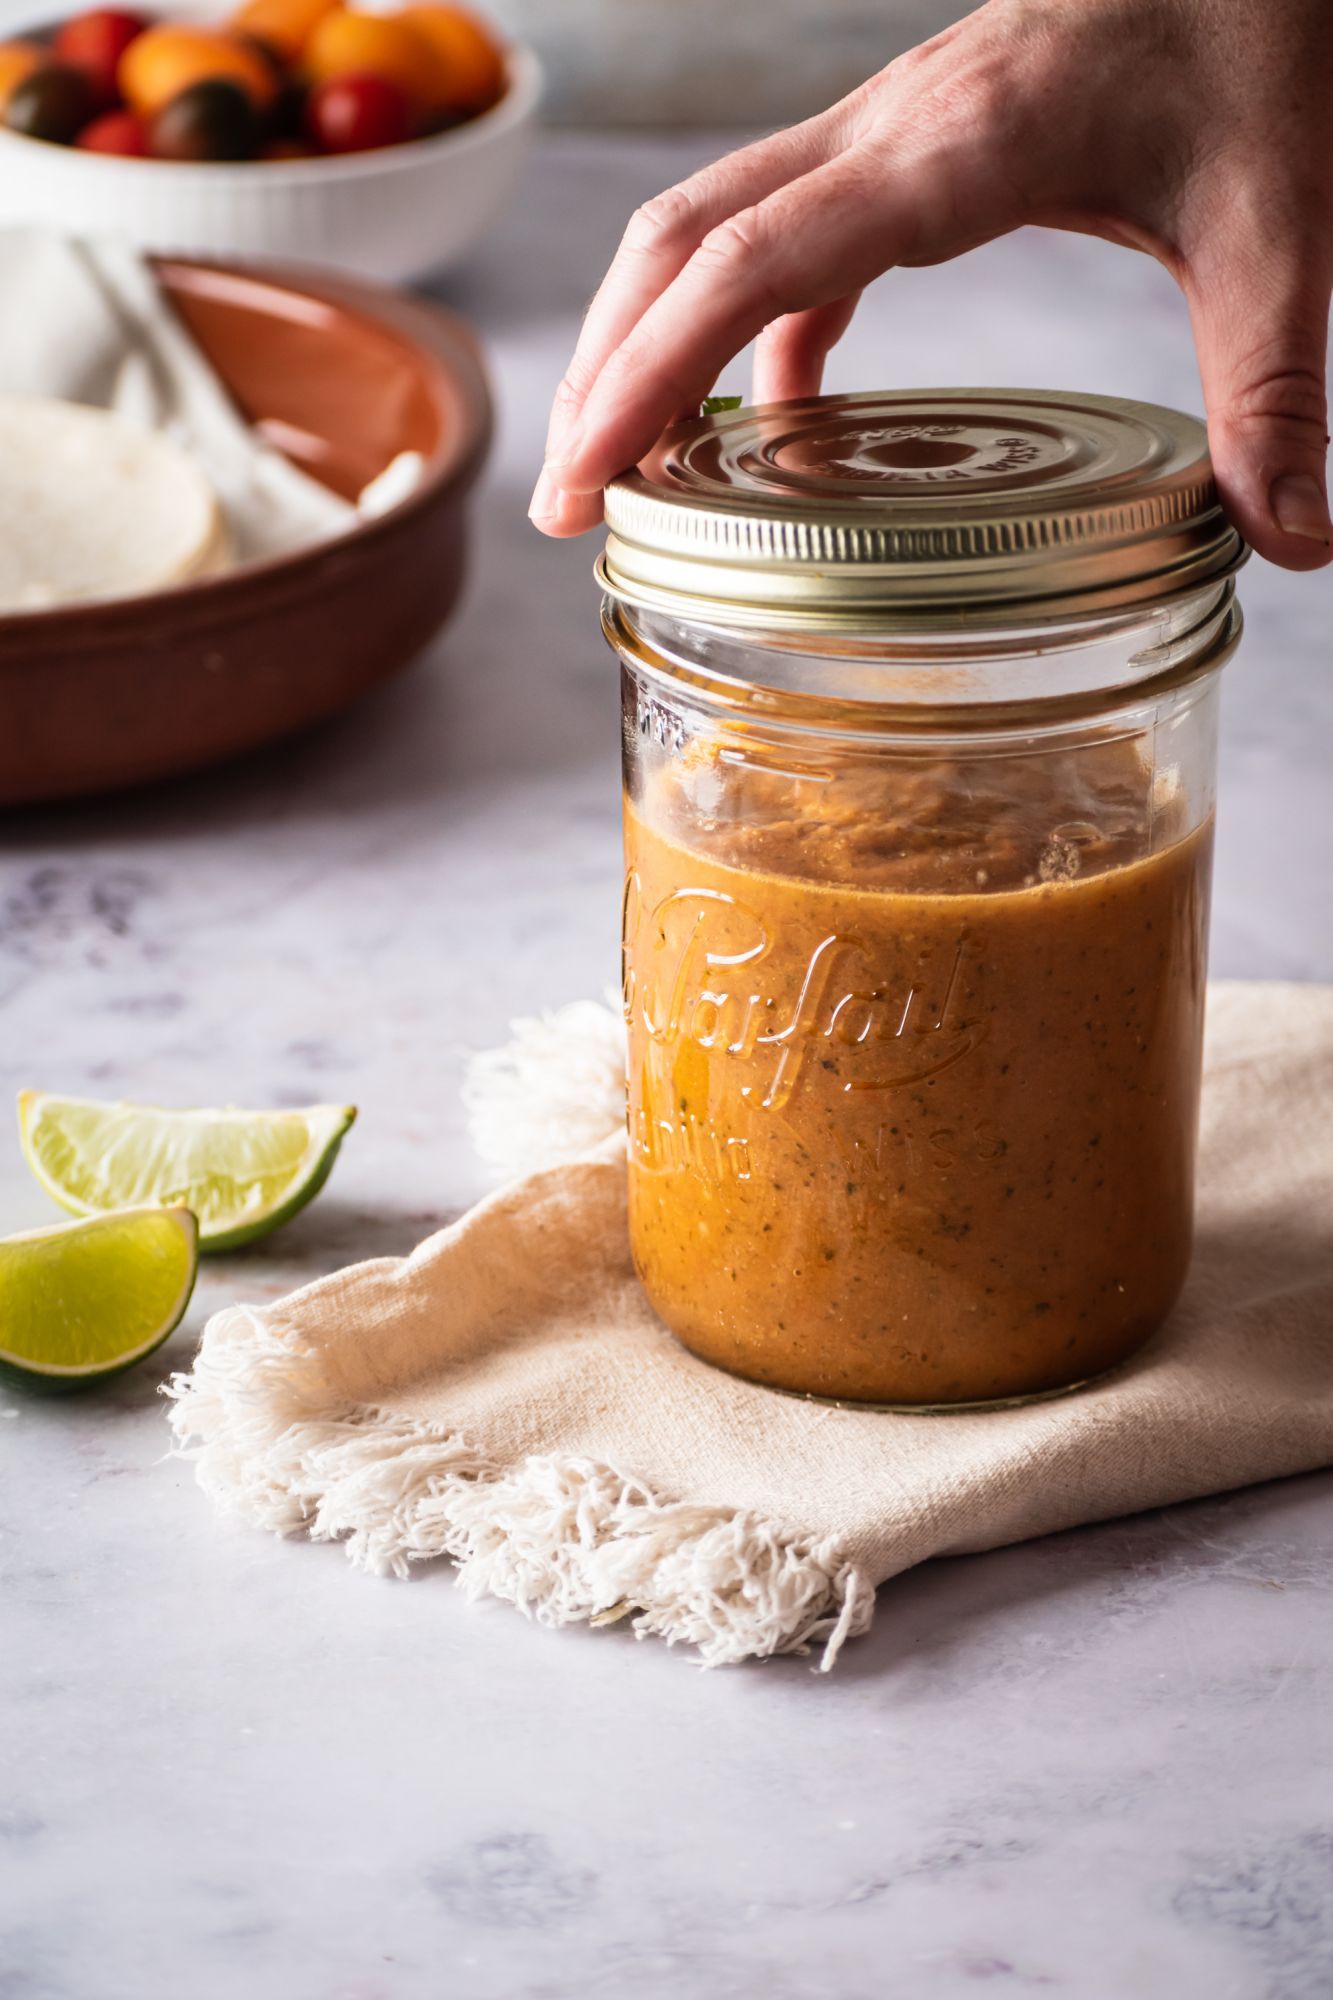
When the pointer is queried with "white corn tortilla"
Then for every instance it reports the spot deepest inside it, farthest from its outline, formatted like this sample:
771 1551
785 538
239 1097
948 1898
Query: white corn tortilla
94 506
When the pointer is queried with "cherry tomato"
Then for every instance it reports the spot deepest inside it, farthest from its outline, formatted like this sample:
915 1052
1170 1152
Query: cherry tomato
350 43
18 60
284 112
357 112
171 56
54 103
267 53
470 63
286 117
116 132
212 120
286 25
95 42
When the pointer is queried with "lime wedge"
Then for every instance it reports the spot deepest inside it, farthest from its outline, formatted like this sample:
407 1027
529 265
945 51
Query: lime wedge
241 1172
82 1300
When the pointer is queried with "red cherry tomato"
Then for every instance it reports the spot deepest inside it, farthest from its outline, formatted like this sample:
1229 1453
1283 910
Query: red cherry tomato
95 42
116 132
357 111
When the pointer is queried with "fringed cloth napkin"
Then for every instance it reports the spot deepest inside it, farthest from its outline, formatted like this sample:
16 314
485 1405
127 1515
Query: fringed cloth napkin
506 1397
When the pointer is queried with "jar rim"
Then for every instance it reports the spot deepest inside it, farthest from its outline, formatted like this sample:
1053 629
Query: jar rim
1193 655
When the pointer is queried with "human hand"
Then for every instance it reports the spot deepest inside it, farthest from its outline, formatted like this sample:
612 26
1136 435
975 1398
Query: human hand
1192 129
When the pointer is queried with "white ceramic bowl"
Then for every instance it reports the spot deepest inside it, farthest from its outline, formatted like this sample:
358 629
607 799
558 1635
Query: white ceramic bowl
392 214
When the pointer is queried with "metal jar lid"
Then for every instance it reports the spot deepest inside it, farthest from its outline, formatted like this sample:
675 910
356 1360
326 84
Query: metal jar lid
919 507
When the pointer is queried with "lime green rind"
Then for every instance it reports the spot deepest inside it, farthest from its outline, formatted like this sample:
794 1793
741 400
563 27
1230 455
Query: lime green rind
243 1173
82 1301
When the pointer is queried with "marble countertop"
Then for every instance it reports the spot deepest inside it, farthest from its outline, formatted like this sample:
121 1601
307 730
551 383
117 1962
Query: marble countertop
1096 1766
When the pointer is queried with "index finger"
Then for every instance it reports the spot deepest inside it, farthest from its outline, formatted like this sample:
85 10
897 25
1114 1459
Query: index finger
664 234
825 235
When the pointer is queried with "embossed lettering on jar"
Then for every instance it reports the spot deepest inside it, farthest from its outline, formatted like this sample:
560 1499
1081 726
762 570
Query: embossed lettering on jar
919 718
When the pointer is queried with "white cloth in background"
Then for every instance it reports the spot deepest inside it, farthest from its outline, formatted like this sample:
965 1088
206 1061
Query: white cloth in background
85 321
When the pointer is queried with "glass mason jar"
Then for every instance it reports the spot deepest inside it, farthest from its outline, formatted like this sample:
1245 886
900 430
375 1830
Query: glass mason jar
920 706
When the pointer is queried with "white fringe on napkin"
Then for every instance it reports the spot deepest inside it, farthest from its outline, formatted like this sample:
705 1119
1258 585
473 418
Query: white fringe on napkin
554 1090
563 1539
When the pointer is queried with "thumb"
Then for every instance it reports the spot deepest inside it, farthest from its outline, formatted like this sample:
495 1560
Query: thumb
1260 314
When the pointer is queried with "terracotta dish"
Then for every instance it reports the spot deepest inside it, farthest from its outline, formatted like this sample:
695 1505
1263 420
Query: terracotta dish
341 376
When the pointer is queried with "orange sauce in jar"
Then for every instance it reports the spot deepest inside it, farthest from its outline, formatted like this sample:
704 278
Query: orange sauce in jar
913 1067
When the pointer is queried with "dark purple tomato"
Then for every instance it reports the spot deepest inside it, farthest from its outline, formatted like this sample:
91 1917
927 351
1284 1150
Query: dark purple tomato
286 114
54 103
212 120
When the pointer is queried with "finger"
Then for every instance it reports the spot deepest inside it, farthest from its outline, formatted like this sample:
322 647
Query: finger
663 235
790 355
559 513
809 245
789 363
1260 312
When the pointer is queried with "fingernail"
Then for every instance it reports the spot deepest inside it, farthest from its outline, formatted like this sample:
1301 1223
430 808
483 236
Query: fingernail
1299 507
545 502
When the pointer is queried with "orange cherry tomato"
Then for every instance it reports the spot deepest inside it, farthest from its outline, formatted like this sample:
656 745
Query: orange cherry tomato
95 42
18 60
381 45
162 62
285 25
470 66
